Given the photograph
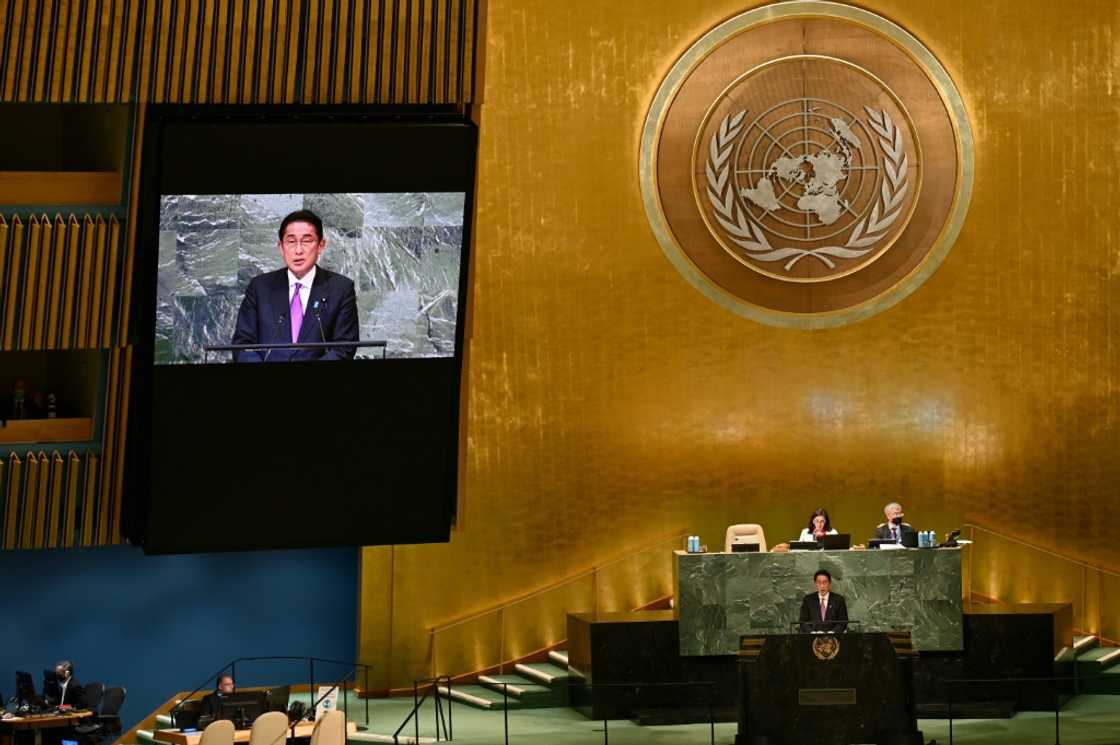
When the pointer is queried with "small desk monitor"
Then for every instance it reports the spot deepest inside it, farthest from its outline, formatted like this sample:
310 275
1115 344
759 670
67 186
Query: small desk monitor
739 548
52 686
277 698
241 707
837 542
25 689
804 546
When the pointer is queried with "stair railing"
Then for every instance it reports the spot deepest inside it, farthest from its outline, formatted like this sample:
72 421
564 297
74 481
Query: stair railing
418 701
588 590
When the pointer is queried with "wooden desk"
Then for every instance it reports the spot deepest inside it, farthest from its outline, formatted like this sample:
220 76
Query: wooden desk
37 723
176 737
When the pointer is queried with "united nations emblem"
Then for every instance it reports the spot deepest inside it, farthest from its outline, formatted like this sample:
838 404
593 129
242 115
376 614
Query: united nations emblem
826 647
827 157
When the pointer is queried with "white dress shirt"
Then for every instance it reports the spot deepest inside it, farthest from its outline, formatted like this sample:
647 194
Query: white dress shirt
304 287
807 535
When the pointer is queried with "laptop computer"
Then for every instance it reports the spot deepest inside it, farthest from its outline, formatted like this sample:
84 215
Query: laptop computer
837 542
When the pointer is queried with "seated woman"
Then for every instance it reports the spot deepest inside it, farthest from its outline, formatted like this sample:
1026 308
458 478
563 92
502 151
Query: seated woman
819 525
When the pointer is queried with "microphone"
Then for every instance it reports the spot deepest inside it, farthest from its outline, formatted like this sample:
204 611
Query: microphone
315 307
275 331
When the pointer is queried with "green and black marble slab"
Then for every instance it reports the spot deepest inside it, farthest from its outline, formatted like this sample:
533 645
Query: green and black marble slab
724 596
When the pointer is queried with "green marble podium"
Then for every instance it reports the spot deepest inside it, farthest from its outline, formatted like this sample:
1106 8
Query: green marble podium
721 597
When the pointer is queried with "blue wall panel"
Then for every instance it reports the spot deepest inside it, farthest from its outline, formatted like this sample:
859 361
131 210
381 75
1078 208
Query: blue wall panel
161 624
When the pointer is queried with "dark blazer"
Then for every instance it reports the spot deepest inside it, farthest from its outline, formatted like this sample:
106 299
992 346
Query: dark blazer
883 531
264 318
811 613
74 696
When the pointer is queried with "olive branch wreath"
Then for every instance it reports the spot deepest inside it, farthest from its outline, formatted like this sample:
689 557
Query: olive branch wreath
747 233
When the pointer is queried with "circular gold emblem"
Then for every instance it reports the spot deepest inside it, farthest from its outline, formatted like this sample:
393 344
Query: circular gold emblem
826 647
807 164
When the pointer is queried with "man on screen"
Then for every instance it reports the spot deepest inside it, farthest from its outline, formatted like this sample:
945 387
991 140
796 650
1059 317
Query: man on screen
301 303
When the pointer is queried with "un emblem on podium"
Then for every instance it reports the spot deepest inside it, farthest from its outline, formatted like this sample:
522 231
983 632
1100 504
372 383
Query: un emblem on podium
807 164
826 647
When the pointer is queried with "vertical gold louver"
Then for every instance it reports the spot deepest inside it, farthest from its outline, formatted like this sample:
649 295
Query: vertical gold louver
46 241
89 500
57 287
12 507
55 506
66 335
30 490
15 280
73 490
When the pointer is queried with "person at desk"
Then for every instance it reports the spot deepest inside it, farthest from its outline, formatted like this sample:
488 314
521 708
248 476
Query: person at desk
819 526
823 610
212 703
65 689
894 528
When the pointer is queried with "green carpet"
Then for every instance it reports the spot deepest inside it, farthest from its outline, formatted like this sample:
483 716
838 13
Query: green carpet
1086 720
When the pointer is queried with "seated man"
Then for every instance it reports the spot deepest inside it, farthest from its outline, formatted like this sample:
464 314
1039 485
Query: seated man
211 703
893 529
65 690
823 610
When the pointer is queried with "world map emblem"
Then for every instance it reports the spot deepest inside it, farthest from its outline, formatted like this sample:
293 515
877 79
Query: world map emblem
807 164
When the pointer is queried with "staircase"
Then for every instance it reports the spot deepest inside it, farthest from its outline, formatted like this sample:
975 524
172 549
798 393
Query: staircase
533 685
1097 666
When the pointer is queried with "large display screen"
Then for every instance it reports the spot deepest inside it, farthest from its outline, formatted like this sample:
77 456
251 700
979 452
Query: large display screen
379 270
331 245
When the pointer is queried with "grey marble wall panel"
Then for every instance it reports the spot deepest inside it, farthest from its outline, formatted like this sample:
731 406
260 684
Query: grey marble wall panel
724 596
403 252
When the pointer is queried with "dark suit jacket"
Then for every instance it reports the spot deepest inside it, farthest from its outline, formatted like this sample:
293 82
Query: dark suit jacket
883 531
264 318
811 613
74 695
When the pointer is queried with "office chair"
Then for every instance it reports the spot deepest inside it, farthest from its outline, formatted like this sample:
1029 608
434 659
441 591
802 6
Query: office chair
745 533
219 732
91 696
107 723
269 728
330 729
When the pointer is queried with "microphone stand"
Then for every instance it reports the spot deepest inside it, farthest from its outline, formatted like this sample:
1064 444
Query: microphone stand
275 331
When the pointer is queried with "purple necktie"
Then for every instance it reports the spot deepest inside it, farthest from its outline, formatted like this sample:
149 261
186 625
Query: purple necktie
297 314
824 607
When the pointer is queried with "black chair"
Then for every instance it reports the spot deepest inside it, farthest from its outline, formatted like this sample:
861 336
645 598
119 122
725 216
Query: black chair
91 696
107 723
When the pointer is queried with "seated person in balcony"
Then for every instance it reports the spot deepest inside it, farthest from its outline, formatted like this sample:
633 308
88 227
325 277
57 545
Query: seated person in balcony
894 528
67 691
823 610
819 526
211 703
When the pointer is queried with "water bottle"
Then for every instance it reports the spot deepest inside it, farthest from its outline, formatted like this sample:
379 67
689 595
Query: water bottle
921 539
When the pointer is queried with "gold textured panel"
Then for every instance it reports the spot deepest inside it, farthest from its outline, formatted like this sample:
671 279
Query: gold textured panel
89 501
30 283
97 282
608 403
116 493
57 289
15 279
73 481
46 242
8 308
30 501
42 502
70 288
85 283
12 502
54 509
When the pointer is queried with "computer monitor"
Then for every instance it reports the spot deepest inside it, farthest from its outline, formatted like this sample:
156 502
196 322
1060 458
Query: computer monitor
740 548
25 689
52 686
241 707
836 542
277 698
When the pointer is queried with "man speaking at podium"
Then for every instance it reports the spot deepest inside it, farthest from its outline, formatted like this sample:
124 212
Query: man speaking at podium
823 610
301 303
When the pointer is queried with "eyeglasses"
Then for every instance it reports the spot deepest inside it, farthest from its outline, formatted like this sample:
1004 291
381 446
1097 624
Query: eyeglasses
306 241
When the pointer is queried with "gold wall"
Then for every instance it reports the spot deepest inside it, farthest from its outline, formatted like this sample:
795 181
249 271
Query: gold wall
610 404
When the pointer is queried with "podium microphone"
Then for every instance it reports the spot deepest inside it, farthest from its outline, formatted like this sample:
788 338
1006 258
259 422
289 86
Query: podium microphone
318 319
275 331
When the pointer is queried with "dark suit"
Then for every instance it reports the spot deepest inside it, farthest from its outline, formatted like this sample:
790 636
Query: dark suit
811 613
883 531
265 318
73 696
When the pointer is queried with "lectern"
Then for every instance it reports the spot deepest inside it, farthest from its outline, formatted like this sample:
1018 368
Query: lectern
827 689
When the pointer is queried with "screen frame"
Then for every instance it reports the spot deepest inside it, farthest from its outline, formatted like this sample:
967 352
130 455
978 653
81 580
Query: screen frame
460 135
